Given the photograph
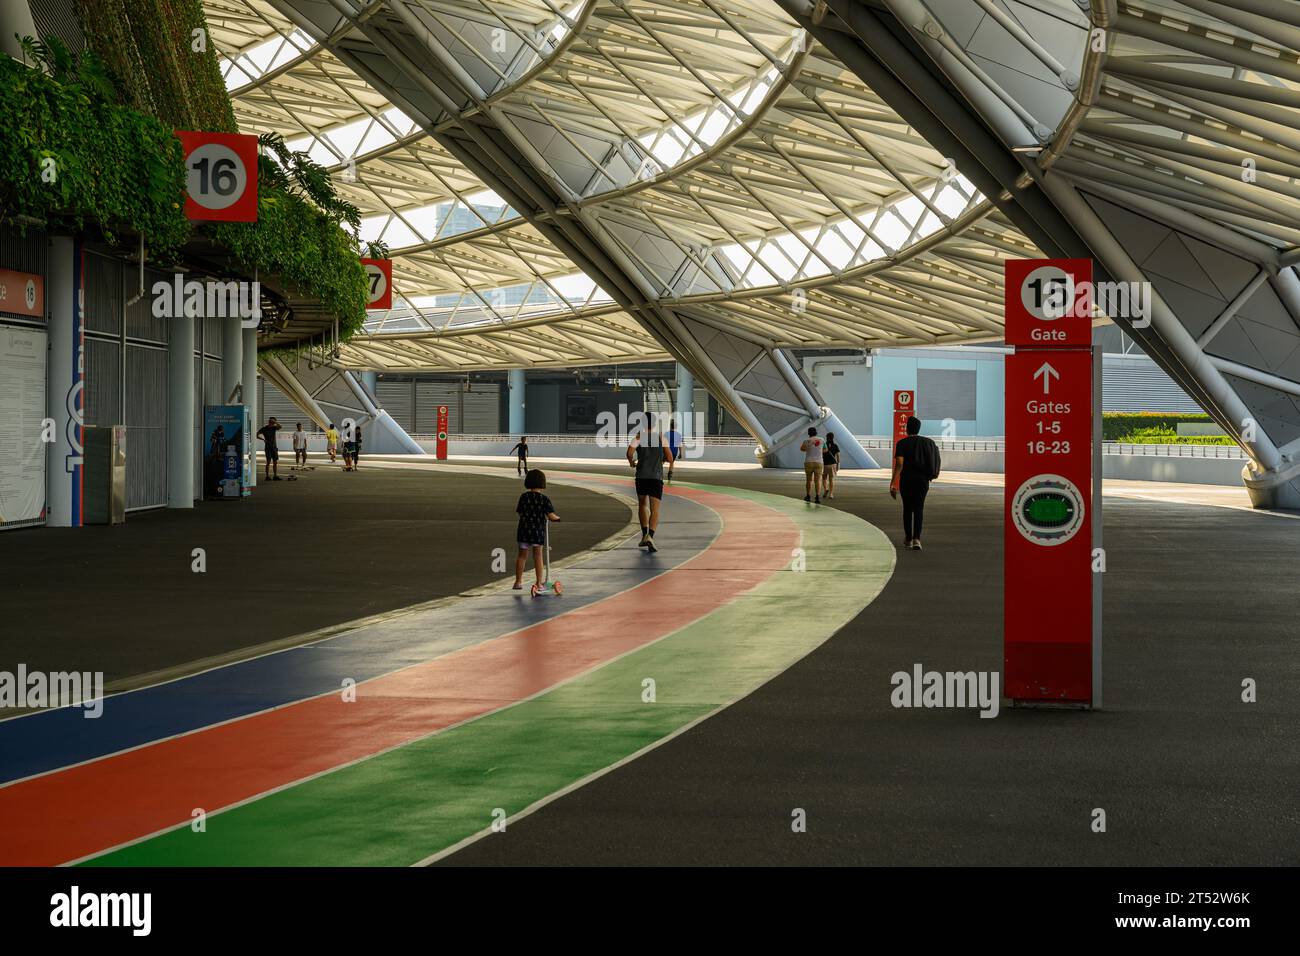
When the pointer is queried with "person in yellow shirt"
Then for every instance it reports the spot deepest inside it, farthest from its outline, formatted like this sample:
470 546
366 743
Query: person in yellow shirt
332 441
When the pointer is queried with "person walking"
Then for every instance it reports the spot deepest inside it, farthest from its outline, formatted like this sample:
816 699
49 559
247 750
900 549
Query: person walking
332 442
674 444
830 465
356 447
299 447
521 465
812 448
647 453
916 464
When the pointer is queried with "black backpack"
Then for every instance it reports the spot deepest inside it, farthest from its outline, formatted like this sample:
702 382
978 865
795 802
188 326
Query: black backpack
934 460
926 459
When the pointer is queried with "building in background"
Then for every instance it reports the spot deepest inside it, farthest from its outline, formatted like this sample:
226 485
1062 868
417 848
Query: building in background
961 385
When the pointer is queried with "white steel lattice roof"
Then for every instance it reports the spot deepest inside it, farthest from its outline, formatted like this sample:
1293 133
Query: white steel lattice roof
735 168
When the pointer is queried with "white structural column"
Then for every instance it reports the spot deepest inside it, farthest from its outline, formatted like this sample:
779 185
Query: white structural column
180 414
64 397
232 358
685 401
370 380
249 357
518 380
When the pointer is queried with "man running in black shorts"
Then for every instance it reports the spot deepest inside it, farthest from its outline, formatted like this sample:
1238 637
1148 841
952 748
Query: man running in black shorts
648 453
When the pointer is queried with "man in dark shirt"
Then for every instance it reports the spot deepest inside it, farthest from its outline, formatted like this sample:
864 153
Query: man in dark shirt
267 433
522 447
648 453
916 464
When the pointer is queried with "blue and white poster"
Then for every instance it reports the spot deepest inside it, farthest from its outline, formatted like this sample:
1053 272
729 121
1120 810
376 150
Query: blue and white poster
223 451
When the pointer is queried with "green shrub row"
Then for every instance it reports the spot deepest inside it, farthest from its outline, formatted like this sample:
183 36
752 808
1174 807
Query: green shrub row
1156 428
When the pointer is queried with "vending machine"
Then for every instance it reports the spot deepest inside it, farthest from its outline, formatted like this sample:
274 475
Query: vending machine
225 440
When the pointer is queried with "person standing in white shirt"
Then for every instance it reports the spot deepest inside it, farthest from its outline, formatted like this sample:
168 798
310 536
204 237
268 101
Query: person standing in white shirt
299 447
812 449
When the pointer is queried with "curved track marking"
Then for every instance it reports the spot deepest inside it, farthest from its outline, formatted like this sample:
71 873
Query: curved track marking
131 795
46 741
443 790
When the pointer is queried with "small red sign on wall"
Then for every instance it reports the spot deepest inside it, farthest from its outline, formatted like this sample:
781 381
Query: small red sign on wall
22 293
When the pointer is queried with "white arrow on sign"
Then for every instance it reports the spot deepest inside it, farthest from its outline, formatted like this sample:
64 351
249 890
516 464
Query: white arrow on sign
1048 373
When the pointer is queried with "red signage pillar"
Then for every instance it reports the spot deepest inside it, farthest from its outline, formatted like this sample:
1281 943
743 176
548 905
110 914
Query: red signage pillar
1048 499
904 402
441 448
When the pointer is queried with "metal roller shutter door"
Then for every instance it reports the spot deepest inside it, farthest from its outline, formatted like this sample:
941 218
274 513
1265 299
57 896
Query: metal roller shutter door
396 399
481 411
946 393
212 382
102 295
22 251
102 398
141 323
272 401
198 423
146 427
213 341
428 396
1143 387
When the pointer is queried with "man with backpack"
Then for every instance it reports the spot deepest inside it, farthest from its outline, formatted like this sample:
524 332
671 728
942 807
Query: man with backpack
916 464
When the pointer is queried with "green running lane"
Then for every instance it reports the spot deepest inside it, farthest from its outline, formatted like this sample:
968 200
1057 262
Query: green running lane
403 806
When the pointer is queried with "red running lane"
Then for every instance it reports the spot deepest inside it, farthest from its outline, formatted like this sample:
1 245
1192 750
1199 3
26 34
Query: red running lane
77 812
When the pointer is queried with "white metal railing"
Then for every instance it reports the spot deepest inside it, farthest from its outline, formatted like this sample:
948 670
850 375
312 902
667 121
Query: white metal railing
874 443
1233 452
711 441
882 443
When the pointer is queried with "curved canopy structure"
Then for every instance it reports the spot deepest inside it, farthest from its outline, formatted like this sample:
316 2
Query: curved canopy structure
733 170
615 180
1159 139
